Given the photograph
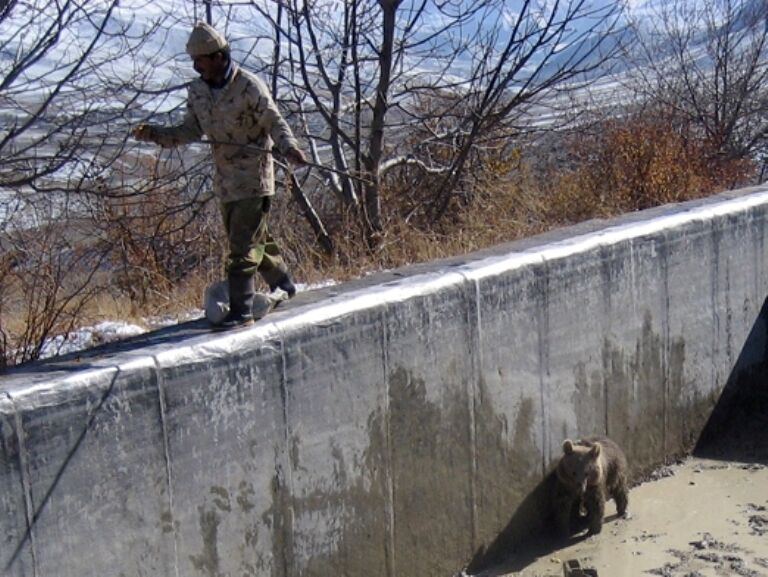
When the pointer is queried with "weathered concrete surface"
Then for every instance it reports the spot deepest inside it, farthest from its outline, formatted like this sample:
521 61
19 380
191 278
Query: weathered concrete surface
400 425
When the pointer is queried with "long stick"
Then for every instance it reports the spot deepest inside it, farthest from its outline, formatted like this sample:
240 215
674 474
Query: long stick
306 162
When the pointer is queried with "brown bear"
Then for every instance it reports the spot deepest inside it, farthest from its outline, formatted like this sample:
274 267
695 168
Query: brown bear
589 472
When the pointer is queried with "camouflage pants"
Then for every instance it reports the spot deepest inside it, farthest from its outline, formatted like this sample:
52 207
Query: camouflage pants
251 248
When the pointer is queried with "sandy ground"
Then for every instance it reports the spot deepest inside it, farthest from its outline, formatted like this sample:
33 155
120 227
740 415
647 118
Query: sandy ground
700 518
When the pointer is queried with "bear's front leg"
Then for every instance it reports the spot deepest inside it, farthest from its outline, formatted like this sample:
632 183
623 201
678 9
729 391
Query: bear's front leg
564 518
565 505
621 496
594 501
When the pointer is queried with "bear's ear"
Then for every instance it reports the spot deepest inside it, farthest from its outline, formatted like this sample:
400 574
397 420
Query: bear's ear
594 452
567 446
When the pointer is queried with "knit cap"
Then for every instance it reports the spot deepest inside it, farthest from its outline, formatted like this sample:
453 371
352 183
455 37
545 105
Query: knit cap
205 40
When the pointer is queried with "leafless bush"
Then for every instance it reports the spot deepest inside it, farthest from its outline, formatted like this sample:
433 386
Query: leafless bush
160 235
706 63
47 279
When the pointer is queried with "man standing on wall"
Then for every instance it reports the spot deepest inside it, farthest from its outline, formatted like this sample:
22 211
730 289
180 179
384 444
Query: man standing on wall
235 110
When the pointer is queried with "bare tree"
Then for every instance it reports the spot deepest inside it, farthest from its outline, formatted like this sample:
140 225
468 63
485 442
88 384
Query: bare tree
706 62
75 76
368 76
39 79
544 53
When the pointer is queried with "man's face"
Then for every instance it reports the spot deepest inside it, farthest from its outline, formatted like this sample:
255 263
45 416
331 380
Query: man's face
210 67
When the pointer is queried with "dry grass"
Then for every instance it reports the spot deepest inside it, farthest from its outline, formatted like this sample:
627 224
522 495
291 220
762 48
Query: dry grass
181 298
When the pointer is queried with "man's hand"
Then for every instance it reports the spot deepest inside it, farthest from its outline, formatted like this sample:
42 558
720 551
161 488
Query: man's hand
143 133
295 157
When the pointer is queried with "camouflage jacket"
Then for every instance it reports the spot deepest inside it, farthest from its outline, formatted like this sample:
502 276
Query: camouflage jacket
242 113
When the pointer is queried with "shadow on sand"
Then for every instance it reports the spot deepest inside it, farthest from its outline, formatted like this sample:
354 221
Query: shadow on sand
527 536
737 429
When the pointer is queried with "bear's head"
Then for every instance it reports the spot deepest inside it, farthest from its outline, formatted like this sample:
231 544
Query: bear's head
580 466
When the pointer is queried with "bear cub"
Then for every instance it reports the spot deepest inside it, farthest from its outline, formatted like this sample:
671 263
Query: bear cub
589 472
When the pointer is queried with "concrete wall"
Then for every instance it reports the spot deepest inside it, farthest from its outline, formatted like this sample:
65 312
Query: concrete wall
397 426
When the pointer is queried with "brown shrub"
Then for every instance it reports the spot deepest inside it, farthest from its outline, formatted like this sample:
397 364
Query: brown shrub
635 163
46 285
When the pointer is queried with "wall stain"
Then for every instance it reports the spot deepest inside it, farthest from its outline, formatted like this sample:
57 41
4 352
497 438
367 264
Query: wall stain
417 453
246 491
431 476
355 508
509 507
278 519
688 408
588 400
221 498
217 507
652 409
167 523
635 390
207 562
431 464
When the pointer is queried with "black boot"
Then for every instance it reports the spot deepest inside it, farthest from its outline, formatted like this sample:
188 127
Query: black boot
284 282
241 291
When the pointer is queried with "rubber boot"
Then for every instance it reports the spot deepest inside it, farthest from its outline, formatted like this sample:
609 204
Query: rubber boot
285 283
241 291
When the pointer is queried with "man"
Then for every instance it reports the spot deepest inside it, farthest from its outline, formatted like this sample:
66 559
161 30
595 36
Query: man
234 109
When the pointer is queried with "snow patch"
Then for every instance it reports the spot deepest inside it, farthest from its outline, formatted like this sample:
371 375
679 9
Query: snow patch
88 337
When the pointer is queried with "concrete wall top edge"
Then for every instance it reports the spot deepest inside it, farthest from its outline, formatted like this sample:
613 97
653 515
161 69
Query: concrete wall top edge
367 298
212 345
616 233
40 383
25 393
